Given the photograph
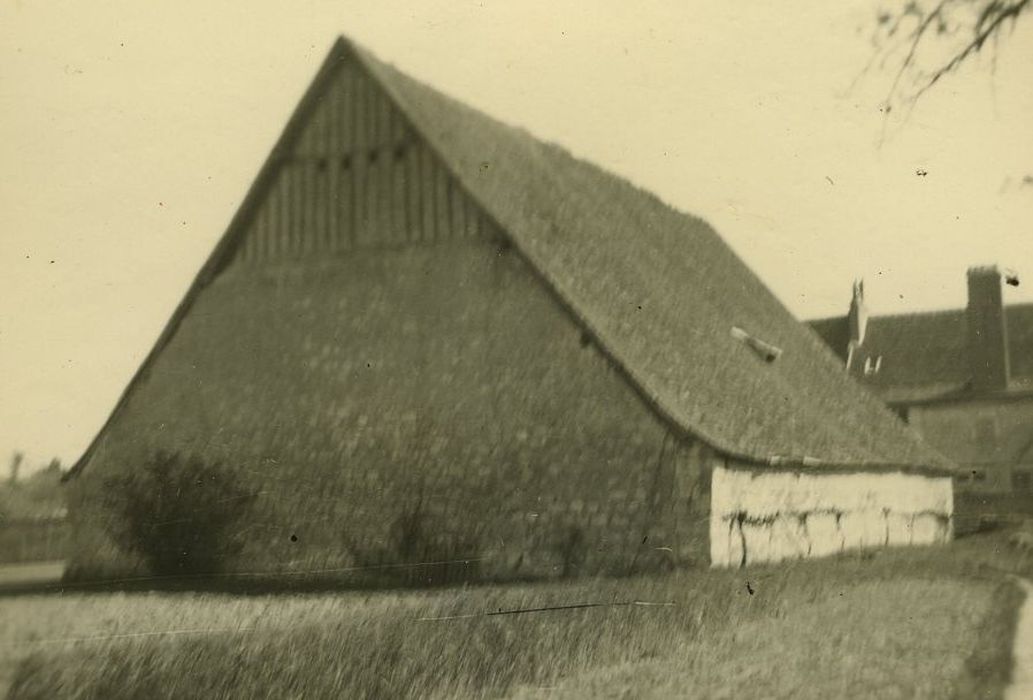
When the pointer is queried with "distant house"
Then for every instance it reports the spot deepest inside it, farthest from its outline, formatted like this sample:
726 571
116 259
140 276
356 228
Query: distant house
420 313
963 378
33 517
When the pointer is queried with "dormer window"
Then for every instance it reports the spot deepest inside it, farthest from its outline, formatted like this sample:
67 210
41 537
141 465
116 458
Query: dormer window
903 412
872 366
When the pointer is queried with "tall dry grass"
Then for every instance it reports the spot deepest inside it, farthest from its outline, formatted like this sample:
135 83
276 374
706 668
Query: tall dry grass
904 624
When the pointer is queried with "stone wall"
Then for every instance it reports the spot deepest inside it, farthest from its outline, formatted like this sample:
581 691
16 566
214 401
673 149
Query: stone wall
769 516
440 382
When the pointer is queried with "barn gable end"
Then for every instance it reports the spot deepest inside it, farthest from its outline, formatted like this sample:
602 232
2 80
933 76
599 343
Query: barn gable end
420 315
372 349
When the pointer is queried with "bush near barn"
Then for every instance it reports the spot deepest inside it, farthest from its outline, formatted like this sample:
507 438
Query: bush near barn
178 514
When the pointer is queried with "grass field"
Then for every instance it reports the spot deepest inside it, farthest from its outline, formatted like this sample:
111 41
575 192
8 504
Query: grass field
931 623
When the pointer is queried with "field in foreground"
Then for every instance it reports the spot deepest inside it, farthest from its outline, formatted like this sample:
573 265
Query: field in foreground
931 623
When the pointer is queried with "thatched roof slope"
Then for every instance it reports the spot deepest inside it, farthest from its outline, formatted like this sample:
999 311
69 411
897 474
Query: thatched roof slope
662 292
696 332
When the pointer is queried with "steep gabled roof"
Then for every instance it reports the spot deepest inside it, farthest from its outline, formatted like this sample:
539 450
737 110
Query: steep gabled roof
659 290
924 355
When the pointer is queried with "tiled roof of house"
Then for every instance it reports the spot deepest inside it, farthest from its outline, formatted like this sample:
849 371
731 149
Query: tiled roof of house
924 355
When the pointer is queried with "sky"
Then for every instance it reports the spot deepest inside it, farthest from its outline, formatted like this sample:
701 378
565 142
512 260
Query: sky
130 134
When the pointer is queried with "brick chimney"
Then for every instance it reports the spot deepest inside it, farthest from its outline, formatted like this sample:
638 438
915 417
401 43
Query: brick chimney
858 316
987 332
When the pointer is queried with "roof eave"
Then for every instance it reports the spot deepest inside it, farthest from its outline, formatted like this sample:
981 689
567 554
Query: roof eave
814 465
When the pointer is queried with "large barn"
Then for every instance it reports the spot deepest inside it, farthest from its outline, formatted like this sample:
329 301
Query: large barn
421 313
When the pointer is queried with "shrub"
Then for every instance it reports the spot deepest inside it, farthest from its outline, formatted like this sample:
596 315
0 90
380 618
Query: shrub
419 552
178 515
572 550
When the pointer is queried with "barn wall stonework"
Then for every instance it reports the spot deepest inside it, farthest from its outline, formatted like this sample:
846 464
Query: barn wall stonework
770 516
437 381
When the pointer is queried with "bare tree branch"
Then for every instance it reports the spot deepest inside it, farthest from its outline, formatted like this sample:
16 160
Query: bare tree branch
918 27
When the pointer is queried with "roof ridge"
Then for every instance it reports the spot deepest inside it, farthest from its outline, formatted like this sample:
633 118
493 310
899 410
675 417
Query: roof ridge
1016 306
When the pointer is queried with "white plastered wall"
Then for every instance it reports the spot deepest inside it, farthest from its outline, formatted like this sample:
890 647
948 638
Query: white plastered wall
769 516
